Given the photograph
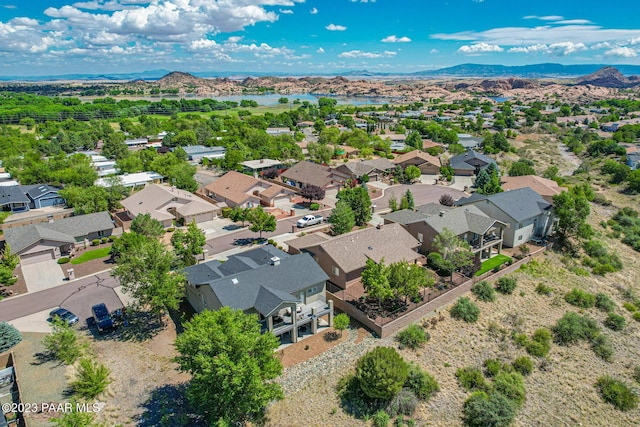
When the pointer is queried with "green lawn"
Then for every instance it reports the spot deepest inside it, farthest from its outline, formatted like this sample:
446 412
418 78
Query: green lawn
491 263
89 255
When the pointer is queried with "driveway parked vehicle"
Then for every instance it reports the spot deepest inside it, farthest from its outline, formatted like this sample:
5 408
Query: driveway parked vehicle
103 319
64 314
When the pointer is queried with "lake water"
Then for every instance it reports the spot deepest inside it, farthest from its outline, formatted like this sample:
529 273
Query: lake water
500 99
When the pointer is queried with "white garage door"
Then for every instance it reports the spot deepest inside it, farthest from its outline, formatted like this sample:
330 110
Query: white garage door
37 257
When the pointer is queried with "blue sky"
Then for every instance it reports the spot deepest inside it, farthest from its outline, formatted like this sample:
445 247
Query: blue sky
47 37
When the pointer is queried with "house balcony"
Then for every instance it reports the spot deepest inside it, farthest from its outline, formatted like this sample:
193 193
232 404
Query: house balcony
306 317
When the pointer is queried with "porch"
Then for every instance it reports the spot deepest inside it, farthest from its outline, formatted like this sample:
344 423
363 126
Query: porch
488 244
298 318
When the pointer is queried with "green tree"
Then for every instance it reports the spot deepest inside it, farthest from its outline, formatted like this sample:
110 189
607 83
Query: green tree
414 140
359 201
114 147
239 213
145 225
342 219
188 244
633 181
411 204
8 259
412 172
145 275
483 410
521 168
341 322
572 211
375 280
381 373
261 221
92 379
407 280
283 100
232 365
62 343
9 336
454 250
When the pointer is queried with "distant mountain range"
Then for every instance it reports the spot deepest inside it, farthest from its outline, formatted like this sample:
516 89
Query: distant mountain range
548 70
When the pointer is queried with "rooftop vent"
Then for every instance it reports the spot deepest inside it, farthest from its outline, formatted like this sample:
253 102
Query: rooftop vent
442 213
274 260
234 281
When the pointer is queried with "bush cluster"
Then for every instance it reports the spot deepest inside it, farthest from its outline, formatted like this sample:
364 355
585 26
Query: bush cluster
538 345
627 221
413 336
580 298
422 384
573 328
543 289
471 379
314 206
484 292
600 259
63 260
438 264
617 393
523 365
465 309
506 285
604 303
615 322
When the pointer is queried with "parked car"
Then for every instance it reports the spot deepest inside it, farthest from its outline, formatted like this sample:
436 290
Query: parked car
103 319
309 220
65 315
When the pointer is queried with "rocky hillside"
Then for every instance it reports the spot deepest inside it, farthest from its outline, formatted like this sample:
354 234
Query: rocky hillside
609 77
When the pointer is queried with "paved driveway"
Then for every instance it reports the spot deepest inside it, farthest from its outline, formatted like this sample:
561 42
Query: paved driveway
42 275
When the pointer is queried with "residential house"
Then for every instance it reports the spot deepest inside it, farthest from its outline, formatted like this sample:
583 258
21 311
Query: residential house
299 245
137 143
469 141
256 167
237 189
195 153
428 164
394 137
547 188
50 240
13 199
469 223
344 257
633 157
375 169
527 214
42 195
131 180
287 292
470 163
305 173
278 131
168 204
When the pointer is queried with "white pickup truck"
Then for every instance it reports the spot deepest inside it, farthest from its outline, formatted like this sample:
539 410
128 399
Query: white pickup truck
309 220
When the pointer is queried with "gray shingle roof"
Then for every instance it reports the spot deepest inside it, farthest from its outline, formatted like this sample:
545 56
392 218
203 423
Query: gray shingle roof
12 194
469 160
256 283
66 230
38 190
520 204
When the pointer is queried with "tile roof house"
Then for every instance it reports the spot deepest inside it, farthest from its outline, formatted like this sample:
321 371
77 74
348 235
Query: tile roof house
265 281
470 163
167 204
306 173
547 188
375 169
344 257
527 214
50 240
238 189
428 164
469 223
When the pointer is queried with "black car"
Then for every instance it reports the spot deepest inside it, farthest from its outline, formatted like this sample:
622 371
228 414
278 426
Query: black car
64 314
103 319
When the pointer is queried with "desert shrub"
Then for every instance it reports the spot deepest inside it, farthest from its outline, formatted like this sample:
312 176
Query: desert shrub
604 303
92 379
484 292
523 365
381 373
543 289
471 378
615 322
62 343
403 403
9 336
465 309
572 328
636 373
602 348
492 367
629 307
314 206
422 384
413 336
617 393
511 385
438 264
580 298
381 419
506 285
63 260
539 344
113 238
636 316
482 410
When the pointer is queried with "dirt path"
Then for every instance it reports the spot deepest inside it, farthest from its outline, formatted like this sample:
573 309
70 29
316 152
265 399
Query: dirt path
570 158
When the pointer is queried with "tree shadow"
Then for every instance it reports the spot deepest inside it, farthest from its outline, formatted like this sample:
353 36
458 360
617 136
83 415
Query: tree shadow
44 357
139 326
167 405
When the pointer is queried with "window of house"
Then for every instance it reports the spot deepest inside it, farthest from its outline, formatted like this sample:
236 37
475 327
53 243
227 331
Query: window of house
312 290
335 270
204 300
520 237
420 237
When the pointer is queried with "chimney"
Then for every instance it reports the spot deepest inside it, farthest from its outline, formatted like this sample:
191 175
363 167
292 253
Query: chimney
379 226
274 260
442 213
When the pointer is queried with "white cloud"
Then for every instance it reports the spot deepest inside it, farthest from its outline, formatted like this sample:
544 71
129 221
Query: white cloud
286 11
394 39
363 54
557 49
334 27
320 50
635 40
623 52
313 11
574 22
434 51
545 18
234 39
478 48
